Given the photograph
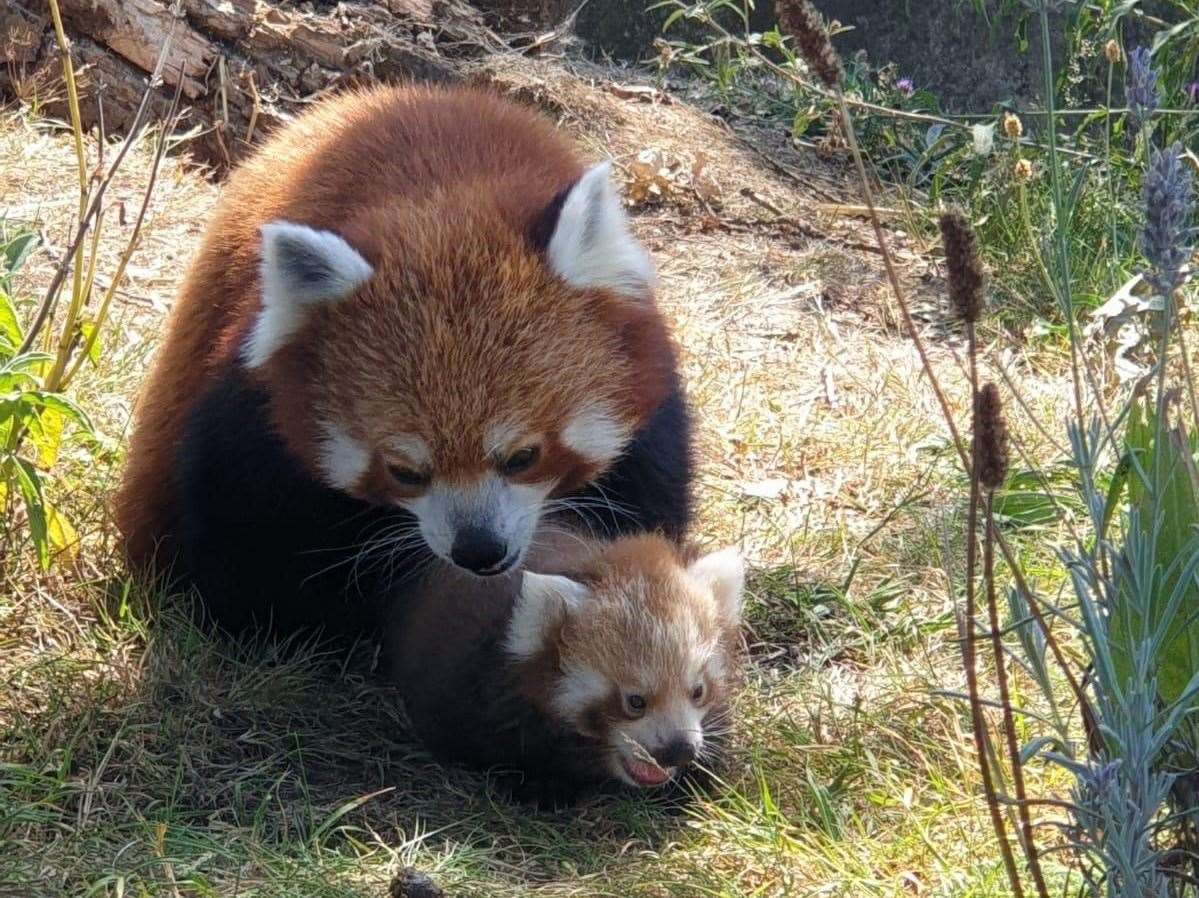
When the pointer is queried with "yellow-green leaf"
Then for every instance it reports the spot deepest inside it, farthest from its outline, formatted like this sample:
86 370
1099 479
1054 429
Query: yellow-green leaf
49 437
61 533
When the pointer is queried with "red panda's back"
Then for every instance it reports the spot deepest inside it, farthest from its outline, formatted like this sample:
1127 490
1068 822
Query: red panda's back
328 169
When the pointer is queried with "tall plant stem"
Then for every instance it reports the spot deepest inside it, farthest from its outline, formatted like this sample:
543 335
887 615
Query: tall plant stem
68 76
1064 287
1005 699
1107 162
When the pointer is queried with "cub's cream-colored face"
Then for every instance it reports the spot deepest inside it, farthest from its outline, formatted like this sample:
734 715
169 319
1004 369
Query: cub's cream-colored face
643 658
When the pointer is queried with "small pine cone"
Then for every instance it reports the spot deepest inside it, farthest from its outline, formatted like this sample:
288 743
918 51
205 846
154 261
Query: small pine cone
799 19
990 438
967 278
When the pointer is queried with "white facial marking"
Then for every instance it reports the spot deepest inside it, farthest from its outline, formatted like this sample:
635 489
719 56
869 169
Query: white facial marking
543 599
343 459
508 510
412 448
300 267
677 719
596 434
579 688
591 245
502 436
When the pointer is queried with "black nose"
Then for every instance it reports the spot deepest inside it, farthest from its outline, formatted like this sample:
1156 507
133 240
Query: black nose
479 551
677 753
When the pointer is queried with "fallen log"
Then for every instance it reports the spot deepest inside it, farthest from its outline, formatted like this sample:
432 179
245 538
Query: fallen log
244 65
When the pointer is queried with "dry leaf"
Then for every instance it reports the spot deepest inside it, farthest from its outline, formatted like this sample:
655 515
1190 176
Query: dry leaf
655 177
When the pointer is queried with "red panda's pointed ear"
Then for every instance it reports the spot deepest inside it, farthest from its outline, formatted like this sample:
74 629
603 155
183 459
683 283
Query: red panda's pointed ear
723 572
585 236
299 267
545 601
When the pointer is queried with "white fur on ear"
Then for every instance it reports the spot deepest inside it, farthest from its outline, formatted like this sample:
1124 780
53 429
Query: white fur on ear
300 266
723 572
544 599
591 245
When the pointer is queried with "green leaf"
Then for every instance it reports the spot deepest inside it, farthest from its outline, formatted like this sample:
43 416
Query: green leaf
16 251
1167 35
29 362
10 325
62 405
1163 484
29 484
89 338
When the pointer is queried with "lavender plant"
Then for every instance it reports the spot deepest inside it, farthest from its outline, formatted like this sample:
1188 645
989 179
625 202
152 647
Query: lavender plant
1134 575
1142 88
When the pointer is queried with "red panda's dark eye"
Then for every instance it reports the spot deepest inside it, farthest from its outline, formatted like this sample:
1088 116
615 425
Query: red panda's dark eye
697 694
635 704
521 460
408 476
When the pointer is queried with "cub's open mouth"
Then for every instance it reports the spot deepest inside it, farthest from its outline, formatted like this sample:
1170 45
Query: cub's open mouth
646 774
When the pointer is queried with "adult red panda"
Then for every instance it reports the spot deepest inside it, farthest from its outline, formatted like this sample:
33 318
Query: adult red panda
415 326
616 667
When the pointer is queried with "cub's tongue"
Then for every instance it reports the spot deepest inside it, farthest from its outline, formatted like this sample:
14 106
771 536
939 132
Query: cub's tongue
646 774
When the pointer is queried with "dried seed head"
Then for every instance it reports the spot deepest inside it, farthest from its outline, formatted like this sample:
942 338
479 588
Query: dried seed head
1022 171
1012 126
990 438
1112 51
967 278
799 19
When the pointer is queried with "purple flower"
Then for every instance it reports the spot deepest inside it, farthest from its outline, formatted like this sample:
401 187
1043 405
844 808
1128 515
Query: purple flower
905 86
1192 91
1141 89
1167 238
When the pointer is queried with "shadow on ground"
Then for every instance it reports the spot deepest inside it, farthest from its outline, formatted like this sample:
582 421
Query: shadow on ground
192 761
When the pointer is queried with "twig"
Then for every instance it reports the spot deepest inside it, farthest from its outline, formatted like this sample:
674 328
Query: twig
132 243
93 209
900 298
968 655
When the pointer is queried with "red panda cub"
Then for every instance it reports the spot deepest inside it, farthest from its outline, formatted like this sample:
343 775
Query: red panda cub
611 665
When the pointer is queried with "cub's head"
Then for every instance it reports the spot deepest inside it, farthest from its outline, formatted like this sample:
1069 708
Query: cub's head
438 356
637 651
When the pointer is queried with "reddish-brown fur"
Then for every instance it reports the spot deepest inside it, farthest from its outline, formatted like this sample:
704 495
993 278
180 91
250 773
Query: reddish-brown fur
644 603
434 188
472 701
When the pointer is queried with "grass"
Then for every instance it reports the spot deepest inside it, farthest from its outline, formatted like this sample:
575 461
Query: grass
140 757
